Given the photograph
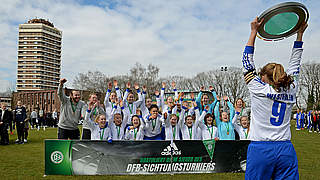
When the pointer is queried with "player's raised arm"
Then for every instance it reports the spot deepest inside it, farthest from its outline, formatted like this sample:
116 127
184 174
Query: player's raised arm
162 96
295 59
247 59
255 24
61 95
126 93
106 98
140 96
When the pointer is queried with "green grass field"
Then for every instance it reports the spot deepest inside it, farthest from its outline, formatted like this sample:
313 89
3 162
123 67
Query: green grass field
27 161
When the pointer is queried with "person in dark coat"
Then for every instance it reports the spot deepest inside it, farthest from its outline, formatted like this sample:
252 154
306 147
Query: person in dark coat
5 119
20 116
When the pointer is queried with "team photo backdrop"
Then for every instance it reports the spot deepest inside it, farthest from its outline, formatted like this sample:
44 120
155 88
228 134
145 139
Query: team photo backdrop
73 157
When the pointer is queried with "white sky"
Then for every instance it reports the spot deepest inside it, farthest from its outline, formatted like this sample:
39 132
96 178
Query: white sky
181 37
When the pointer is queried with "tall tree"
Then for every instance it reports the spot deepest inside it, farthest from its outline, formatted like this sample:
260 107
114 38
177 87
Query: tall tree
145 76
309 90
91 81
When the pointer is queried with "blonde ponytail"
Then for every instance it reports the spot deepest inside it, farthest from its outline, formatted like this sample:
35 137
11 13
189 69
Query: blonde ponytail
277 76
278 73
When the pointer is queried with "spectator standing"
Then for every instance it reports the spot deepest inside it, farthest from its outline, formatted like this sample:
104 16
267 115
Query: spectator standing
317 124
26 127
20 116
48 119
70 113
34 117
41 119
5 118
55 117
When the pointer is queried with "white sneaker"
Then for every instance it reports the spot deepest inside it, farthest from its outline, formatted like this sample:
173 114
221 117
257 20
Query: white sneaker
25 140
310 131
44 128
17 140
38 128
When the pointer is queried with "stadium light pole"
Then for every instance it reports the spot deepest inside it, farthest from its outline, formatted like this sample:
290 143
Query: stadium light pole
224 68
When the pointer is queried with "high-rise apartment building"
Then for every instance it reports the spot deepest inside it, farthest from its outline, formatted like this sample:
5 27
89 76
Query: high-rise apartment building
39 56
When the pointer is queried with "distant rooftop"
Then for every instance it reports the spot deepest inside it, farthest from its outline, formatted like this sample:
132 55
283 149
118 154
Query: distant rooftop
43 21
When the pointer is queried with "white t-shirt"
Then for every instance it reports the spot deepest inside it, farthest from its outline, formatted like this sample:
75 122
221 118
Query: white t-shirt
271 110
